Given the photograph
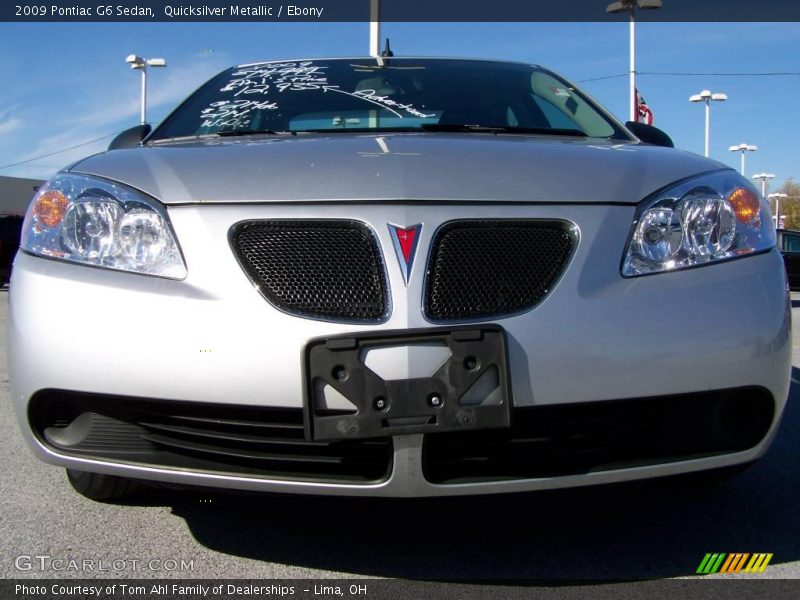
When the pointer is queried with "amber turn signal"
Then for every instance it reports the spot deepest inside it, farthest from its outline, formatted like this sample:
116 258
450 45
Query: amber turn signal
50 208
745 204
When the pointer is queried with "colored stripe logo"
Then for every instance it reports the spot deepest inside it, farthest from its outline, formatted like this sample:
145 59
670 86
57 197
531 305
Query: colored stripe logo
735 562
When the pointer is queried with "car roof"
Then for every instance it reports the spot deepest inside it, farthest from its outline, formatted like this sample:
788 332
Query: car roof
386 58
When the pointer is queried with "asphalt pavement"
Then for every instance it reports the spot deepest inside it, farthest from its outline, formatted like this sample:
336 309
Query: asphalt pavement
634 531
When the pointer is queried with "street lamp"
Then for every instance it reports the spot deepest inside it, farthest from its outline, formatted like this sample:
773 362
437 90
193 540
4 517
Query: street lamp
764 177
137 62
631 6
777 197
743 148
707 97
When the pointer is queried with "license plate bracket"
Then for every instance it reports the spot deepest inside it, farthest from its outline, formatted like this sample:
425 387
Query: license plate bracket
469 390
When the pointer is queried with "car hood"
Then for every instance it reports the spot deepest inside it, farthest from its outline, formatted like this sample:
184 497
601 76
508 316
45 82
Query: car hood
468 167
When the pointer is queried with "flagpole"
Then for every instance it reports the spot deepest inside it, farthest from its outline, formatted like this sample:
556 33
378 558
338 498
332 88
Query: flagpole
632 96
630 6
374 28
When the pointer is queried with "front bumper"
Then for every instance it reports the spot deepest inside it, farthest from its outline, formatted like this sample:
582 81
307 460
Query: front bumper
212 338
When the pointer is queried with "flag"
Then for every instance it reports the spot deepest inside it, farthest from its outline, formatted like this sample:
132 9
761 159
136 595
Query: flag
643 112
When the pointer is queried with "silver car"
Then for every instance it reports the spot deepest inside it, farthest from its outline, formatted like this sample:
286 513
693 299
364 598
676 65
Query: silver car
396 277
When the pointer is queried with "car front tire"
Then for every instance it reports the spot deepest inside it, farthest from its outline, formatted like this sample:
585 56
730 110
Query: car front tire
102 488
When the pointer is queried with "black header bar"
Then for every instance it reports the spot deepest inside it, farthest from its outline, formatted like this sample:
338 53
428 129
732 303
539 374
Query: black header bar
390 11
383 589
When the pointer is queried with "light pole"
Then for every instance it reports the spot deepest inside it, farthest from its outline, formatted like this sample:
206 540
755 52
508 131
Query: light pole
137 62
764 177
707 97
631 6
743 148
777 197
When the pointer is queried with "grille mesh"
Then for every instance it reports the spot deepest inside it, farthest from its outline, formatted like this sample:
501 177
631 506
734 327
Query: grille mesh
321 269
490 268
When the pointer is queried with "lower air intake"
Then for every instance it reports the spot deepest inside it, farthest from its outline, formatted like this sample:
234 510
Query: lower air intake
573 439
226 439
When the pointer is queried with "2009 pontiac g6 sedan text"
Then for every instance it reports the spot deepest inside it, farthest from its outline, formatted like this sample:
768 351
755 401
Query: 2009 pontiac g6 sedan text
396 277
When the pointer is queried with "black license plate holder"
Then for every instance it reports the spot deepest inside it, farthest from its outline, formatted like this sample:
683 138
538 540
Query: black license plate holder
477 361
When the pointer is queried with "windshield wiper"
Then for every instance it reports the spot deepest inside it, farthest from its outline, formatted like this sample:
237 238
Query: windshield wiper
495 129
362 129
226 133
238 132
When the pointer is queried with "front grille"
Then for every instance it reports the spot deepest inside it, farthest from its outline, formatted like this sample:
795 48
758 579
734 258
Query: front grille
318 269
239 440
552 441
482 269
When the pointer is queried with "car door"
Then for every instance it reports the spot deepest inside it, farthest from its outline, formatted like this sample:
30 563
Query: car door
790 249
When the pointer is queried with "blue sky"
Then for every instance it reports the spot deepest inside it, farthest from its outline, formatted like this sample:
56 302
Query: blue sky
67 83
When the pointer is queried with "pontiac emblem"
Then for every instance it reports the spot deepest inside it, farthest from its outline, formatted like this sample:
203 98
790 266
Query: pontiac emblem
405 241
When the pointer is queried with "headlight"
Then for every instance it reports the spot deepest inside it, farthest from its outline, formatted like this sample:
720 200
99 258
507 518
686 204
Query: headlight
95 222
700 221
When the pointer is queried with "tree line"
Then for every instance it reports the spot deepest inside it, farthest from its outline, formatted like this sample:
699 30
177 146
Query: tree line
790 206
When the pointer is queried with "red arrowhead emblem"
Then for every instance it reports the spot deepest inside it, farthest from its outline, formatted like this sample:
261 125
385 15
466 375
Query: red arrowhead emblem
405 240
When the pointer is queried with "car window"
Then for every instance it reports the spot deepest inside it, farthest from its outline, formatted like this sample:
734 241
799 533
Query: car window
563 106
791 242
555 117
366 94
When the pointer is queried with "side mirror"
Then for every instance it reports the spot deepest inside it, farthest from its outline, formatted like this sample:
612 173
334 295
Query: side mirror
130 137
649 134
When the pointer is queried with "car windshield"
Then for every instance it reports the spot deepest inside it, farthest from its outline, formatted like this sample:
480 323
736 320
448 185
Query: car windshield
387 94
